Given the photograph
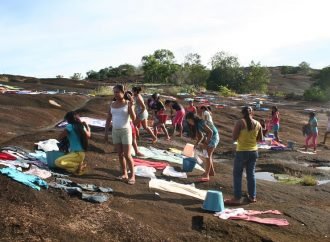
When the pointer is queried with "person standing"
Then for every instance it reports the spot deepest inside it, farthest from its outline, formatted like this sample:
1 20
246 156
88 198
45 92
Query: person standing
206 113
312 122
247 132
120 112
191 108
77 134
206 134
159 116
141 113
275 122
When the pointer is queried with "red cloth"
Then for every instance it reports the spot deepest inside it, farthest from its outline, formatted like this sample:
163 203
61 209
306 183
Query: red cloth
5 156
157 165
269 221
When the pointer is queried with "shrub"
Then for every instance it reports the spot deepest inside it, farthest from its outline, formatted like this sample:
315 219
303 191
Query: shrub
226 92
103 91
316 94
309 181
289 70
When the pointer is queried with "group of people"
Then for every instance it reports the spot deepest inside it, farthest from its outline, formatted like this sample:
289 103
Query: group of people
128 112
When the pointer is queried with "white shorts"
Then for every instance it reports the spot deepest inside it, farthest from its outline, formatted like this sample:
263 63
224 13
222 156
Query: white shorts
122 136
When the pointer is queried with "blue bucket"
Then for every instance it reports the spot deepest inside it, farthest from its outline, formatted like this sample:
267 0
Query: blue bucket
52 156
213 201
188 164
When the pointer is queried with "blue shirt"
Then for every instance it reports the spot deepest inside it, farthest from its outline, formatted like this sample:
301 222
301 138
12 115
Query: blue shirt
202 123
313 124
74 140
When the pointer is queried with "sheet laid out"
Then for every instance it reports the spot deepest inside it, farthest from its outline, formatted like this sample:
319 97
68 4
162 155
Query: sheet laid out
158 154
169 171
90 121
155 164
174 187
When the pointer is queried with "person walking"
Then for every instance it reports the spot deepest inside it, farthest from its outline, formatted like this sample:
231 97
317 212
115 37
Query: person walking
328 129
120 112
177 120
314 132
247 132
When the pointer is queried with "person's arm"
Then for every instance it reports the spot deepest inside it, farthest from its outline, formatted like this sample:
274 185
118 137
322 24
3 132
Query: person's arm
260 134
131 110
107 125
209 133
237 130
141 103
87 130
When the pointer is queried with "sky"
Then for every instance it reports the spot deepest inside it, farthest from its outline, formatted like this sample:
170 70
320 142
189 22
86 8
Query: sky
46 38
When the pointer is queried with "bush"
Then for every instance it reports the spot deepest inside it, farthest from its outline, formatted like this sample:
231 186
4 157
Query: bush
289 70
103 91
226 92
316 94
309 181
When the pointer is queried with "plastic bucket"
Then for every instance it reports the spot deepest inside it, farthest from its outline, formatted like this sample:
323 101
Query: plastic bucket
52 156
213 201
188 164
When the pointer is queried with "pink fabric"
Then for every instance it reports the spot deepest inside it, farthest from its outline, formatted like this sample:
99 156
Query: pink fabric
155 164
314 140
5 156
178 119
269 221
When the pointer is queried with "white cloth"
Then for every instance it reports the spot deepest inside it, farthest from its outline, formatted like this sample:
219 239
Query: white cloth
169 171
145 171
14 163
48 145
36 171
207 116
188 190
120 117
227 213
158 154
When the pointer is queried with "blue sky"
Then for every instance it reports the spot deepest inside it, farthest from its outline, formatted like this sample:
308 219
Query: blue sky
45 38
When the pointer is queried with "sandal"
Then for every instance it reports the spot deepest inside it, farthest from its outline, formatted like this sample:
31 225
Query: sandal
131 181
203 179
252 200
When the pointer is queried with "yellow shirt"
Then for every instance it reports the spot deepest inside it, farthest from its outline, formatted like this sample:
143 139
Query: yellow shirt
247 140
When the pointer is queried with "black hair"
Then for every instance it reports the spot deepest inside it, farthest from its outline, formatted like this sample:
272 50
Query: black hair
312 114
120 88
193 128
126 95
137 89
167 102
274 110
155 96
79 127
246 111
206 108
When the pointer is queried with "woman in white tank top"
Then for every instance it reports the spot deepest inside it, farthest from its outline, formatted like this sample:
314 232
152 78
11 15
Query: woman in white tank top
119 113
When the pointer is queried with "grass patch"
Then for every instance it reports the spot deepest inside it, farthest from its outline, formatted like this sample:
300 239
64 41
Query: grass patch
103 91
309 181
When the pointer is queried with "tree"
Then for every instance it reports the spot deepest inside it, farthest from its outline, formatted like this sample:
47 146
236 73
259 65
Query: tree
320 91
304 67
59 76
76 76
159 66
257 78
226 71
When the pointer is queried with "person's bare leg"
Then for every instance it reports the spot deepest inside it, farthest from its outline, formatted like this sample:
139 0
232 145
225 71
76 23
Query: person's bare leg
165 131
130 161
122 161
148 129
210 151
135 147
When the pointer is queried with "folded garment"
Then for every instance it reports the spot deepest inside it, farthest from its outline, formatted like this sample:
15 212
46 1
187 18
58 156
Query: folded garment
145 171
157 165
28 180
169 171
48 145
6 156
94 198
34 170
14 163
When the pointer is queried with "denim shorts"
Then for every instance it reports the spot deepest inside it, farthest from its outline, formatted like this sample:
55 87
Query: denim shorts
214 141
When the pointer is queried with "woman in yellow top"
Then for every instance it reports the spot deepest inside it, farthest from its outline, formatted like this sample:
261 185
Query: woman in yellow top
247 132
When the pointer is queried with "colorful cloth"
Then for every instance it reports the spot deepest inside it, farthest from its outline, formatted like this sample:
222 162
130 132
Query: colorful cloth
155 164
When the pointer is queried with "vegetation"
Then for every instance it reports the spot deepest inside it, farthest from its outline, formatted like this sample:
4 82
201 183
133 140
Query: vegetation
320 91
226 92
124 70
76 76
103 91
257 78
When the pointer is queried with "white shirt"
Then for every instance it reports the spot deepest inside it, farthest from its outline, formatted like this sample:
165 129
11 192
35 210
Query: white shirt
120 117
207 116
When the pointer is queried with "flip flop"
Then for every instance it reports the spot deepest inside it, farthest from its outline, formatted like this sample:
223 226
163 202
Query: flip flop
131 182
203 179
232 202
121 178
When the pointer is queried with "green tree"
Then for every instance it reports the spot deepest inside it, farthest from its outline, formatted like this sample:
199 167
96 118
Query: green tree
226 71
76 76
160 66
257 78
323 78
195 73
304 67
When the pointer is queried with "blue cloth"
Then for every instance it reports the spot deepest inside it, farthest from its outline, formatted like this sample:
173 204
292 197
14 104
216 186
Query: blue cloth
74 140
248 160
215 135
313 124
29 180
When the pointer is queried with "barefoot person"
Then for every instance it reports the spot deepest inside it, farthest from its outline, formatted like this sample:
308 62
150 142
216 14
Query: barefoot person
247 132
119 113
177 120
141 113
328 129
77 134
159 116
206 134
314 132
